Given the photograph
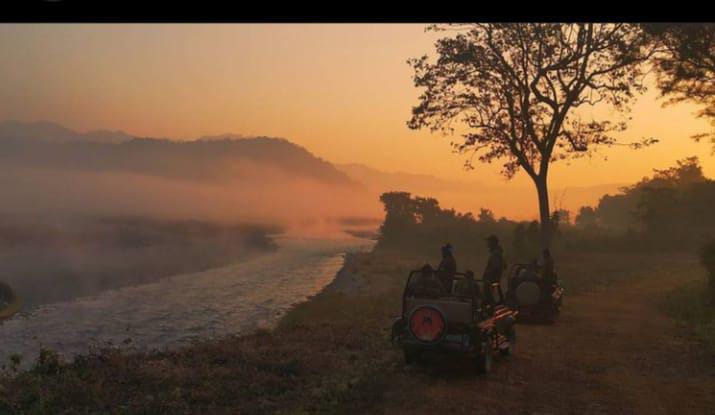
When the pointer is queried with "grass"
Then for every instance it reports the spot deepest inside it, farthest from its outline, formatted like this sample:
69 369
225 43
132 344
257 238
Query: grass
328 354
691 304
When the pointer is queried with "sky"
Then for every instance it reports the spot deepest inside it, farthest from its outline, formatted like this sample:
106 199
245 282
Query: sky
343 91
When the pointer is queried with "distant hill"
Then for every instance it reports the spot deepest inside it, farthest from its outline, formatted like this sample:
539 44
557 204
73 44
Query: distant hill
54 133
49 145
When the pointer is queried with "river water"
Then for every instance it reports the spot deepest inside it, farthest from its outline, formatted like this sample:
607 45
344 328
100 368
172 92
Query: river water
174 311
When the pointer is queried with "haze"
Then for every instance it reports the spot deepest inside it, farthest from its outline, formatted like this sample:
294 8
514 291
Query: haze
344 92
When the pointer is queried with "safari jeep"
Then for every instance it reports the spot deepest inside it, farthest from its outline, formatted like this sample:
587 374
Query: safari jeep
535 299
436 320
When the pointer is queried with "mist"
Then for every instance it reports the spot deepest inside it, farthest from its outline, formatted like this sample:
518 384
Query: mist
271 197
70 228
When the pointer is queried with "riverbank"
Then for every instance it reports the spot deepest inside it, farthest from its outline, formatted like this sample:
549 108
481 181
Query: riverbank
175 311
327 355
307 363
50 260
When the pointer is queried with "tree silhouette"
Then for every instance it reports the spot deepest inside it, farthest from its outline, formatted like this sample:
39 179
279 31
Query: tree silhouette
514 91
586 217
685 65
486 216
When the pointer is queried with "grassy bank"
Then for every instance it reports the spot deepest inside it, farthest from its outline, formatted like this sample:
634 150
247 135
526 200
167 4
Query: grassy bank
328 354
692 306
325 354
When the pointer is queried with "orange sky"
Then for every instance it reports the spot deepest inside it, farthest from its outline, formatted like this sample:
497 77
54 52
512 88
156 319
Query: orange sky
342 91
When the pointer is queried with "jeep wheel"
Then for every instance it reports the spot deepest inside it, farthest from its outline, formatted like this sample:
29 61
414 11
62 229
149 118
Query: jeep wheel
484 359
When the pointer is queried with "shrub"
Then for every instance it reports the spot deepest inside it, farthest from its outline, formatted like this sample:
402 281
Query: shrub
48 362
707 258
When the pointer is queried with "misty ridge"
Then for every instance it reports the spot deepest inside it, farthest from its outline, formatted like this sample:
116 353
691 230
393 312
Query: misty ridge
223 177
204 159
258 179
85 212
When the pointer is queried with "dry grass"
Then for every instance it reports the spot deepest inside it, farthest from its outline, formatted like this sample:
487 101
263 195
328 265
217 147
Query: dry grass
692 305
328 354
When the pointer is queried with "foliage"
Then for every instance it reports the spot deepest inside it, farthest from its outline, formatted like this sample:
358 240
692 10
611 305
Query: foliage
486 215
673 208
420 225
693 305
516 91
686 65
707 258
586 217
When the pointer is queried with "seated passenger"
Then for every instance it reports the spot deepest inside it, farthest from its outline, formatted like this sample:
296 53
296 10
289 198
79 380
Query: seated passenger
425 283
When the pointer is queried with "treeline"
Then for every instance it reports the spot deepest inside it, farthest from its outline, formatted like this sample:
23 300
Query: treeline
673 209
420 225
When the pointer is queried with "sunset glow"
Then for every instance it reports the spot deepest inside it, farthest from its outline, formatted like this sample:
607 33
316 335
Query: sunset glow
344 92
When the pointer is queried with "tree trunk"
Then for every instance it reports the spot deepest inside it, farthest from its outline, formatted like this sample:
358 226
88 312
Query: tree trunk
544 211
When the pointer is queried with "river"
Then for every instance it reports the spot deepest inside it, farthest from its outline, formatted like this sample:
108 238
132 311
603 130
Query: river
174 311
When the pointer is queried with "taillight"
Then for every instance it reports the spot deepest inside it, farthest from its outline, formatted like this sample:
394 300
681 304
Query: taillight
427 324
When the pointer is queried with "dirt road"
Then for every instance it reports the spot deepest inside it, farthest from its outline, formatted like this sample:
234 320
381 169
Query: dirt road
613 351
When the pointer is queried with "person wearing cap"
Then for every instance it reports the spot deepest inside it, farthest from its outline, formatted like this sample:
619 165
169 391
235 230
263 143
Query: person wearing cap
447 268
495 267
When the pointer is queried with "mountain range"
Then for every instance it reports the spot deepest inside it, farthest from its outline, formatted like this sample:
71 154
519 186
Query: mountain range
56 133
273 163
218 158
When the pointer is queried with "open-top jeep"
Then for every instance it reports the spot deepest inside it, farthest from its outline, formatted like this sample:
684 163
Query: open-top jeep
457 318
535 298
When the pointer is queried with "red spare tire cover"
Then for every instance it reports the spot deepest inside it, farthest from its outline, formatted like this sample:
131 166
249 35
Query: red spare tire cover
427 324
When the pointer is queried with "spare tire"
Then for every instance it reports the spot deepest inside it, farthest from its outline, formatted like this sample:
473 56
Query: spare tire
427 324
528 293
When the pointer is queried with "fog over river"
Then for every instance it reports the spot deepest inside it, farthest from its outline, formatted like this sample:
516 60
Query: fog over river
173 311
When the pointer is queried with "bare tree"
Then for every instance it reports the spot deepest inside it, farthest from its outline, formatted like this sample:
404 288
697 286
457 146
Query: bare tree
513 92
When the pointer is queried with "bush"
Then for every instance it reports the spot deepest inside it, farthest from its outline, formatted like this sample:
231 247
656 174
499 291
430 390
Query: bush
421 226
692 305
48 362
707 258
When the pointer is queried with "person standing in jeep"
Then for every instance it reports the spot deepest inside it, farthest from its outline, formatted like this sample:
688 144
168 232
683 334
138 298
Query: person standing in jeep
494 269
447 268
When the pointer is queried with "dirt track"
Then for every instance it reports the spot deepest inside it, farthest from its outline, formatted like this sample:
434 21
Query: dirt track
612 352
